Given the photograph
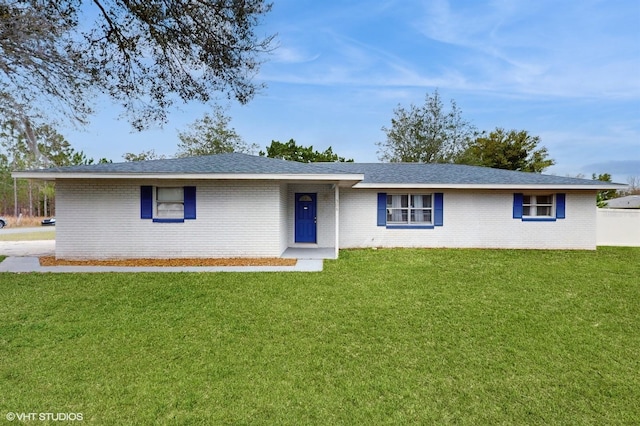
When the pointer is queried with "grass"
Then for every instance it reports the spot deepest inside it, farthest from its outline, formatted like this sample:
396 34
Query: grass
47 234
380 337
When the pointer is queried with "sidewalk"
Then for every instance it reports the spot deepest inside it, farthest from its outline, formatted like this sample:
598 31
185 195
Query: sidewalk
23 264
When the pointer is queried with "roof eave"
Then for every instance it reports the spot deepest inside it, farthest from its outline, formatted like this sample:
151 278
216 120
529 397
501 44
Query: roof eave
363 185
190 176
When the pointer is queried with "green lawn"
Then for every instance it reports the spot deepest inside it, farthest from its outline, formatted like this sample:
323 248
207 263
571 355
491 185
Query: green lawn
29 236
380 337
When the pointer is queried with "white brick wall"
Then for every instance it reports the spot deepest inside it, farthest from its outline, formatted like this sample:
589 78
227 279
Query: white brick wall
101 219
284 217
471 219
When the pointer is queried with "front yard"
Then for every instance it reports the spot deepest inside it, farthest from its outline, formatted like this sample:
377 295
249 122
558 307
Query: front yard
379 337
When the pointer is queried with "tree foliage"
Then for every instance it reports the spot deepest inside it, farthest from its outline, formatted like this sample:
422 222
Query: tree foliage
143 156
210 135
53 150
426 134
634 186
603 196
39 66
145 54
512 150
294 152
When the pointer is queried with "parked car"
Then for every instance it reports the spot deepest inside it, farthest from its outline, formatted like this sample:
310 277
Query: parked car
3 222
49 222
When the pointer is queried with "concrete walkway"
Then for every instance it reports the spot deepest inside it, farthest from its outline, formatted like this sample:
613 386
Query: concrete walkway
23 264
22 256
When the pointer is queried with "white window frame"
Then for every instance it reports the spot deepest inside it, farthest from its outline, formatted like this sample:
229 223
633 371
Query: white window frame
168 213
533 206
409 209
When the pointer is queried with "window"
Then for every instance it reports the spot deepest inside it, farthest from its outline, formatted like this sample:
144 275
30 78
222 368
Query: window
413 211
168 204
539 207
409 209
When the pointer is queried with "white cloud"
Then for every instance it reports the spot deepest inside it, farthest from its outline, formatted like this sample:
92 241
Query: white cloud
541 48
292 55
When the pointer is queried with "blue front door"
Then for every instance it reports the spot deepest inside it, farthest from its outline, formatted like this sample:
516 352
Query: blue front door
305 218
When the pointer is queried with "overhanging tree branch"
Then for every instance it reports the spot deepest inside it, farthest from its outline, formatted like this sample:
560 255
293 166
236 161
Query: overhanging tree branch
144 54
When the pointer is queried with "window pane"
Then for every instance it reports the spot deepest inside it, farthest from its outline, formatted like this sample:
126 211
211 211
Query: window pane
397 215
395 201
526 211
526 199
544 199
405 201
421 216
420 201
170 210
170 194
544 211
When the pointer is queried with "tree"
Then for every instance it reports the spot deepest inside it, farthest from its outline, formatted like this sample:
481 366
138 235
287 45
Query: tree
144 54
52 150
634 186
211 135
143 156
294 152
39 68
426 134
603 196
512 150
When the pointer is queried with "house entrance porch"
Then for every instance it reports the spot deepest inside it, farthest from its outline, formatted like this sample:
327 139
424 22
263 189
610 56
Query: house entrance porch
314 253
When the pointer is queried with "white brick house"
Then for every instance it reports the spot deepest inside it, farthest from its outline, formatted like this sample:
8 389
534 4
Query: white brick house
237 205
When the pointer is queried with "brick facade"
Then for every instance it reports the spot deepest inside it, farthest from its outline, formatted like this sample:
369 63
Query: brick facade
479 219
100 218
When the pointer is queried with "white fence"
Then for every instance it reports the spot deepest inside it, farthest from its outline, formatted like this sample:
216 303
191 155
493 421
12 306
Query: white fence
618 227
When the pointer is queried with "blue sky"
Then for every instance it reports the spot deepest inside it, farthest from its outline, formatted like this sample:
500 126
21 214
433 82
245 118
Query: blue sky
565 70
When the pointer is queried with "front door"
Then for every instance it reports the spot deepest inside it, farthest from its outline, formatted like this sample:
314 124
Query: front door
305 218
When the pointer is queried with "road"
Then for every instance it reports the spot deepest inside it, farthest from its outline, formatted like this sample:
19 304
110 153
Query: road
13 230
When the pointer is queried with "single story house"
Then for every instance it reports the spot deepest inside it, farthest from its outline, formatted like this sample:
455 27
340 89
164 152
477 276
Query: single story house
628 202
238 205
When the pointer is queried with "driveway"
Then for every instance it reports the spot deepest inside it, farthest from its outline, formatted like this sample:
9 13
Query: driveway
27 248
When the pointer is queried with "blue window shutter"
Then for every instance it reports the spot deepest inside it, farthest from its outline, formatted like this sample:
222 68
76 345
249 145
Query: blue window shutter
382 208
439 210
560 203
189 202
146 202
517 206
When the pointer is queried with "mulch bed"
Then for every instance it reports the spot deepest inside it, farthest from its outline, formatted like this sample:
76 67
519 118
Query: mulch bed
52 261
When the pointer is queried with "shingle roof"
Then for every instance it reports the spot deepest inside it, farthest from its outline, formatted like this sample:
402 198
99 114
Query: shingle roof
374 173
456 174
232 163
628 202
